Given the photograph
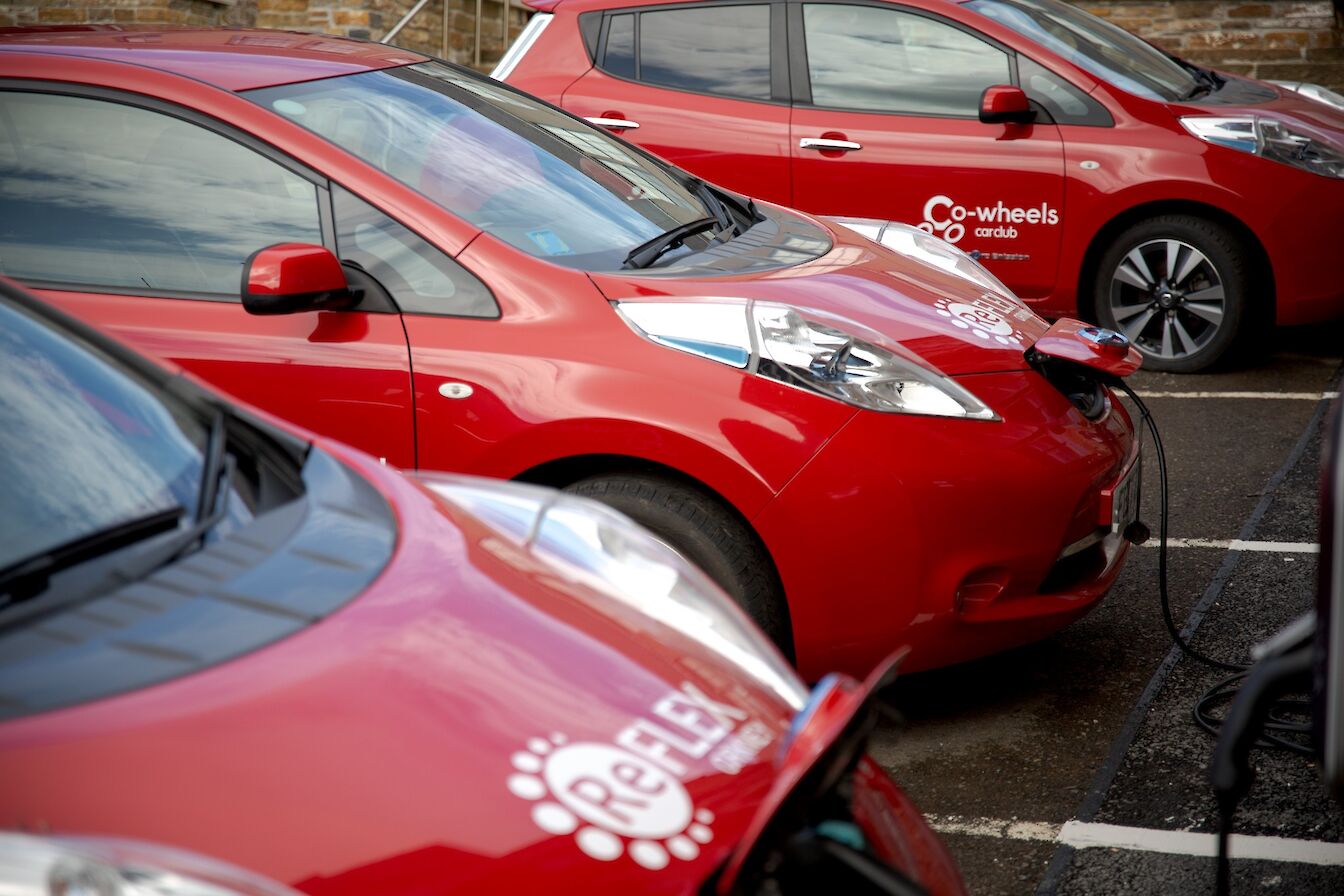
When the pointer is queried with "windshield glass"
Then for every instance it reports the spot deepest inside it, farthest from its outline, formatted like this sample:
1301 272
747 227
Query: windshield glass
541 181
84 445
1108 52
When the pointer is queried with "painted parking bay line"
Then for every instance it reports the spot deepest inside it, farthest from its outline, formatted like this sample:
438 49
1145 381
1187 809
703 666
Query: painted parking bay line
1094 835
1236 544
1273 396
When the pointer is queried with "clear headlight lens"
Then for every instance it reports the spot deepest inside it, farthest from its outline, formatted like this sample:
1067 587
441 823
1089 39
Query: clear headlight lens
1295 144
931 250
103 866
605 550
1315 92
838 359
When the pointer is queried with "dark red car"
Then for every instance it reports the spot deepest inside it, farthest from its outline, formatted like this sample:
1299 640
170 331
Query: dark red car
220 634
865 447
1094 174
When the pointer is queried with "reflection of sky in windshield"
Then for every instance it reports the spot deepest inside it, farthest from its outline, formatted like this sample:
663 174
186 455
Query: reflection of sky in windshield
104 193
510 181
1107 51
82 446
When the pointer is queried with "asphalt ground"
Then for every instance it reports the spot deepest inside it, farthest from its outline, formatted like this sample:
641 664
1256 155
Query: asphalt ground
1094 724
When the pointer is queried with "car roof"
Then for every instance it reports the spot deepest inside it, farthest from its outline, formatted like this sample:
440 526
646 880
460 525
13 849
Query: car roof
229 58
550 6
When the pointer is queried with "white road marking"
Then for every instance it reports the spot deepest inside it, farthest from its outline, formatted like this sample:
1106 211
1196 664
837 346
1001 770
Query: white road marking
1093 835
1236 544
1284 396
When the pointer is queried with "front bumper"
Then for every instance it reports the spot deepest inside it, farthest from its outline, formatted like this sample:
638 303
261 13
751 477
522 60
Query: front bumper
948 534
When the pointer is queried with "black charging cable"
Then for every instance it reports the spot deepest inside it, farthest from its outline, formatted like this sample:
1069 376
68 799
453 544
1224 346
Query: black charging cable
1163 595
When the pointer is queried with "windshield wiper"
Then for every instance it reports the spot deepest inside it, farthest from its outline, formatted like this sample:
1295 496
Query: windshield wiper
647 253
29 577
711 203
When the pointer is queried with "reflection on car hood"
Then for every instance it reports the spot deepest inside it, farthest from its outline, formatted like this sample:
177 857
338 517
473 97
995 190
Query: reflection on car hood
470 720
955 326
1286 105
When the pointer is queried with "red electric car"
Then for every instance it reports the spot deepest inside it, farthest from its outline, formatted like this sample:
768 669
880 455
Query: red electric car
1093 173
865 448
222 635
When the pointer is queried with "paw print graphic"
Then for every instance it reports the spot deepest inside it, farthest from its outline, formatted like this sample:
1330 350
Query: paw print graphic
611 800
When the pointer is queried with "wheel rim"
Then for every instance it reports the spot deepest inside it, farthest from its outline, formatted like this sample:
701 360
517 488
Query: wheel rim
1168 298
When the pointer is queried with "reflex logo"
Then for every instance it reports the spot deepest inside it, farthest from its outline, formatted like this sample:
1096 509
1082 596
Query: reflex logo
945 218
988 318
628 797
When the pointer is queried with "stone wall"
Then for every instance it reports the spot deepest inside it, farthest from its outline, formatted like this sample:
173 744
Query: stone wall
128 12
1287 40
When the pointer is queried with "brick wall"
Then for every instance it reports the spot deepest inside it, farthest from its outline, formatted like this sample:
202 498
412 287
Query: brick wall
128 12
1287 40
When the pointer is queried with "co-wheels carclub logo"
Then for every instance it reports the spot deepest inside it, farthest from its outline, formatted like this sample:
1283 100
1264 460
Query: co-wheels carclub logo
948 219
628 796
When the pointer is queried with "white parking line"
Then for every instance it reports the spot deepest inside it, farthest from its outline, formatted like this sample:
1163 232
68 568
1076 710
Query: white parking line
1092 835
1236 544
1284 396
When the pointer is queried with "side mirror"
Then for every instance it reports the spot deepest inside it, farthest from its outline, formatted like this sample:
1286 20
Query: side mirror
290 277
1003 104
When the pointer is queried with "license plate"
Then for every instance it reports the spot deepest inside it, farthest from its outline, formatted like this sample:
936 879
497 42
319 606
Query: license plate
1125 499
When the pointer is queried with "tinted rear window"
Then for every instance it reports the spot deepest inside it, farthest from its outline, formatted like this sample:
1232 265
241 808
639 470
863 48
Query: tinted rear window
707 49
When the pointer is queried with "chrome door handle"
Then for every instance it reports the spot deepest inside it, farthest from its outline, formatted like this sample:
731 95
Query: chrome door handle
821 143
616 124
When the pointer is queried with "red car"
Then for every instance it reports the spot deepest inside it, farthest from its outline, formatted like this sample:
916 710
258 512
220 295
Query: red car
1094 174
866 449
223 635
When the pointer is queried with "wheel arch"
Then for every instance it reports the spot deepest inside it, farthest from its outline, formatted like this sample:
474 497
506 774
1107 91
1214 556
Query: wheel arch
1261 267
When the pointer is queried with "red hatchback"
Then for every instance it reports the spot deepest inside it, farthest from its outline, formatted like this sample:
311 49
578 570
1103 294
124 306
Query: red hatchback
221 634
1093 173
864 448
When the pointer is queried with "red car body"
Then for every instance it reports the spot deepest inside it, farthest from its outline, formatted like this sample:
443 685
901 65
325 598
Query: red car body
960 537
432 734
1038 203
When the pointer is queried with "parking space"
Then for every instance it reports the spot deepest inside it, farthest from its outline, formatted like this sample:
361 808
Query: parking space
1063 767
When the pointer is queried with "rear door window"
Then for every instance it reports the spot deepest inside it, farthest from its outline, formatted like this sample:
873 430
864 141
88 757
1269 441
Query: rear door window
869 58
722 50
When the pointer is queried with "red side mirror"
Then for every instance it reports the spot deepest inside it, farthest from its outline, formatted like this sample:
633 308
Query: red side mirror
1005 104
292 277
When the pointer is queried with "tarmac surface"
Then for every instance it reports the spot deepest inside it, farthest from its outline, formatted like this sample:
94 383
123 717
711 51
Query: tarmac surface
1064 767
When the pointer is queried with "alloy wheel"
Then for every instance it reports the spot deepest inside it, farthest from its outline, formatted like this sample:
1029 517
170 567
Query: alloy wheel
1168 298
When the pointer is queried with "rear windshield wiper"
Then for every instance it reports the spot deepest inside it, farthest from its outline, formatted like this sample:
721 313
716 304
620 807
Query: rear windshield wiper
29 577
647 253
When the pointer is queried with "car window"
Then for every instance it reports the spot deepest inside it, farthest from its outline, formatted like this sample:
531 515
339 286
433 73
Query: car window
420 278
107 195
541 180
1065 103
707 49
619 59
886 60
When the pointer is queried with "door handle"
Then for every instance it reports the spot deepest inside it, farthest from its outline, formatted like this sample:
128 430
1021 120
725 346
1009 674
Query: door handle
616 124
824 144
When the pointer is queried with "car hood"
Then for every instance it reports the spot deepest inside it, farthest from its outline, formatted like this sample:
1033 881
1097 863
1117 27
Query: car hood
952 323
471 719
1287 105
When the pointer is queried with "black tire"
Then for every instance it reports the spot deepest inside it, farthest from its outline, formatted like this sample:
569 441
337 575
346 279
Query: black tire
1180 287
708 534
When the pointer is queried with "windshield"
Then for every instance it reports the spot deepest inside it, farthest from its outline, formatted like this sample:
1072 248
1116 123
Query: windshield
1110 53
85 446
541 181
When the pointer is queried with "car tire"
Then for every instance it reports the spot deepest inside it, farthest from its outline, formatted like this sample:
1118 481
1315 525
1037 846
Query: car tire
707 533
1179 287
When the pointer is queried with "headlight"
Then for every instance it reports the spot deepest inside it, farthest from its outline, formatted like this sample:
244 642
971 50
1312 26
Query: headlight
838 359
1296 145
935 251
590 543
102 866
1314 91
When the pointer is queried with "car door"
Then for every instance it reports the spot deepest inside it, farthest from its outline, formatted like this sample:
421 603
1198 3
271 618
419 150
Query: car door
885 124
138 218
701 85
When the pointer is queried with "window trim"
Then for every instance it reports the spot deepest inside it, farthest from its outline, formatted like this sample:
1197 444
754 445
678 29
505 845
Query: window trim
800 75
778 49
193 117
